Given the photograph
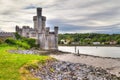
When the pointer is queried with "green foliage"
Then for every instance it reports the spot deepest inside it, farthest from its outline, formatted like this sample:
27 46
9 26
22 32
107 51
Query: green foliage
17 43
22 44
29 41
17 36
11 41
10 64
21 41
89 38
118 41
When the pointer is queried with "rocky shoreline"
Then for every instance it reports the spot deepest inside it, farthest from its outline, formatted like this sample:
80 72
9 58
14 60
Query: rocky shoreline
111 65
82 67
61 70
27 51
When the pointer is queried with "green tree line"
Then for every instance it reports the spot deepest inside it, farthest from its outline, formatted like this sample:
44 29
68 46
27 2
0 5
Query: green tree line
89 38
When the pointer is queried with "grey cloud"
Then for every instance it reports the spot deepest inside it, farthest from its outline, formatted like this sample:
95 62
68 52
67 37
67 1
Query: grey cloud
64 27
110 27
92 3
69 15
106 14
7 21
31 6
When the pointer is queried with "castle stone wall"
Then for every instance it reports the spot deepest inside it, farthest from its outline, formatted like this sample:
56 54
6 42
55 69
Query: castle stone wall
47 40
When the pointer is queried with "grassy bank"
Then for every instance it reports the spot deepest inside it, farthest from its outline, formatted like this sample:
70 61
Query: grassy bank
12 66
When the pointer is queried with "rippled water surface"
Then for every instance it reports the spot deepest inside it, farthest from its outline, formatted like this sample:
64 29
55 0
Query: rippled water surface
96 51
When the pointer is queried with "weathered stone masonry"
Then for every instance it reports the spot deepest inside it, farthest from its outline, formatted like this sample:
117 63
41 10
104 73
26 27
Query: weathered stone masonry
46 39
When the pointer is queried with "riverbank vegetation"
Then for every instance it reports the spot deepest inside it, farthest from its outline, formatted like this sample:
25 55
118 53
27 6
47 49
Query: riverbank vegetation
89 39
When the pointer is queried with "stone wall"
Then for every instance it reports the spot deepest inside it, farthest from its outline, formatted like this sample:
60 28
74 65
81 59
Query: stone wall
6 34
26 31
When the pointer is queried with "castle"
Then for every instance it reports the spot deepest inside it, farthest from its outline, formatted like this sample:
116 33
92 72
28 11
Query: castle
47 40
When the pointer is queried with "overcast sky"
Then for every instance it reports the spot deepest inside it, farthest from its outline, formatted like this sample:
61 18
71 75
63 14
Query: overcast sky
82 16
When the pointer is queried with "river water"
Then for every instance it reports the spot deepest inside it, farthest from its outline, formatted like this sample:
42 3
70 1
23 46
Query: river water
96 51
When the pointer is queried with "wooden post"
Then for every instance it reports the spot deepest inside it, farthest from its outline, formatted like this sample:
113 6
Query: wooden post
78 53
75 49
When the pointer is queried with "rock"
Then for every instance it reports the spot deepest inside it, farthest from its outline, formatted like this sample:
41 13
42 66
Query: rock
27 51
72 71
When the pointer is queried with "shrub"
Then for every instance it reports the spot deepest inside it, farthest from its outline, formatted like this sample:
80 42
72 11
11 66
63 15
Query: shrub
22 44
17 36
10 41
17 43
29 41
21 41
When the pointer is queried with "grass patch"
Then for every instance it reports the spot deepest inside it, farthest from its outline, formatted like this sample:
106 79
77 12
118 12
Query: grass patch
13 66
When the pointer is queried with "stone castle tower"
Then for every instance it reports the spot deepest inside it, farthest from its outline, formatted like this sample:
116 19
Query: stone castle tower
47 40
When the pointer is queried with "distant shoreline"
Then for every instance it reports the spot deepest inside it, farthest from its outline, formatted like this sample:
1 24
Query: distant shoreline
62 52
93 45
